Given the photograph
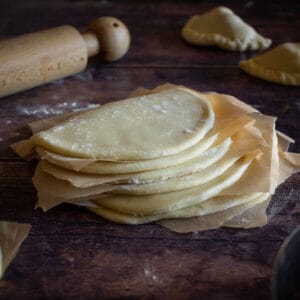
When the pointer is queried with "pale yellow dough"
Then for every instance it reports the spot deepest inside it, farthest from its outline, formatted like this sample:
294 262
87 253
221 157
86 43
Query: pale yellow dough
221 27
255 216
166 202
230 116
280 65
220 218
205 167
83 180
135 129
210 206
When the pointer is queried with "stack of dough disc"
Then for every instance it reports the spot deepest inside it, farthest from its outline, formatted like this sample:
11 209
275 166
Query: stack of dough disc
190 161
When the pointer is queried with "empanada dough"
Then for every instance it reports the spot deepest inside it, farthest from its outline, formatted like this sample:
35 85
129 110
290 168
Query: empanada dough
280 65
197 171
255 216
106 167
135 129
210 221
230 116
166 202
210 206
83 180
221 27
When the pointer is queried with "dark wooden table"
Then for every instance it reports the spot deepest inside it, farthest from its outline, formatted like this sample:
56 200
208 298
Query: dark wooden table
73 254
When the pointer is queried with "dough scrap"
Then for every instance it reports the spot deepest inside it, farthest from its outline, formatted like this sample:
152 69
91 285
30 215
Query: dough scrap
280 65
11 237
221 27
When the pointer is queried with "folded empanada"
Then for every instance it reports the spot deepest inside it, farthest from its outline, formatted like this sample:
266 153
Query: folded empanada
222 28
280 65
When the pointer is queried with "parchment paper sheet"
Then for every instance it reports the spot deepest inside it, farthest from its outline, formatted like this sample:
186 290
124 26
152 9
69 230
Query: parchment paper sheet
12 236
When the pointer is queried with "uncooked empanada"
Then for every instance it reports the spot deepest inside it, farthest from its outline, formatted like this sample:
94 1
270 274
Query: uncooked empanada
221 27
280 65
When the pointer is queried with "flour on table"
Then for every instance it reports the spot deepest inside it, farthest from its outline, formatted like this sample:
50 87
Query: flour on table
38 110
86 76
47 110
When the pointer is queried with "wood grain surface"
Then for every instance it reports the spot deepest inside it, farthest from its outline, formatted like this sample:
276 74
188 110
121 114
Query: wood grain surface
71 253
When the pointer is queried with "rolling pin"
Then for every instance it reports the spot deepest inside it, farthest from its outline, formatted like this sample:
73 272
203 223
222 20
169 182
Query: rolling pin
33 59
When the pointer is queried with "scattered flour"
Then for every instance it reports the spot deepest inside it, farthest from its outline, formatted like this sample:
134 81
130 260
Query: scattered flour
58 82
89 106
160 109
86 76
188 130
38 110
41 110
68 104
134 180
211 152
149 272
278 205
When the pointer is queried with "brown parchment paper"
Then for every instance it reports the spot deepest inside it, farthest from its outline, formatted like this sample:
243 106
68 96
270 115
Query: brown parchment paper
84 180
53 191
210 221
253 217
12 236
262 176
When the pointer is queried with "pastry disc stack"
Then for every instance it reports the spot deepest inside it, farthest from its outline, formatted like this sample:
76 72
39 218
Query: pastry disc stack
190 161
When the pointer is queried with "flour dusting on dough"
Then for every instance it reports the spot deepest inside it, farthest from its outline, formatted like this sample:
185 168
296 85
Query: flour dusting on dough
188 130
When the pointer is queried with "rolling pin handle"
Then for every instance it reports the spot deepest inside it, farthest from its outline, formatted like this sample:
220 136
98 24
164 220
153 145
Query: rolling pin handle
92 43
108 36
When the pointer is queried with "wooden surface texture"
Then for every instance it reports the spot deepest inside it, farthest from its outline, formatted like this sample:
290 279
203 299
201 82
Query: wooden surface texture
73 254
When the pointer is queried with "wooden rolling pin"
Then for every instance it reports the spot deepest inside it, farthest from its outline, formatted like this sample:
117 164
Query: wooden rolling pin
33 59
